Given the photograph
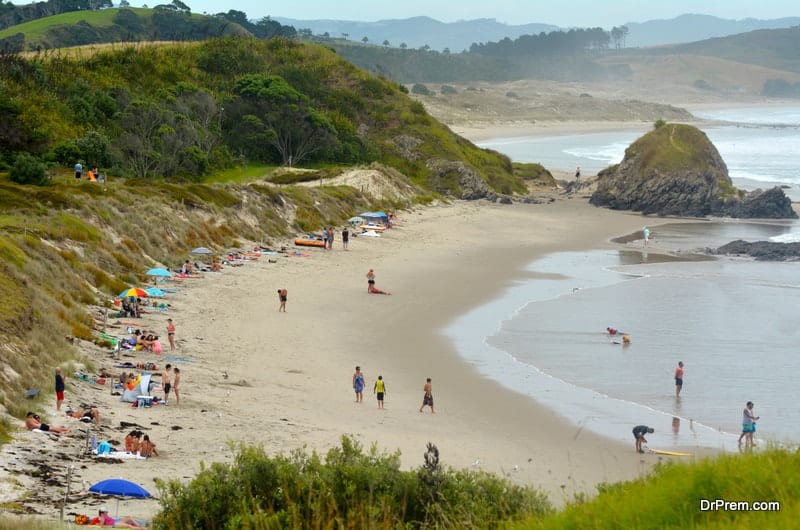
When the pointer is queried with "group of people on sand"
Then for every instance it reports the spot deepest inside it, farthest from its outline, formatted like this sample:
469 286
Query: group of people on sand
139 443
171 382
379 389
329 235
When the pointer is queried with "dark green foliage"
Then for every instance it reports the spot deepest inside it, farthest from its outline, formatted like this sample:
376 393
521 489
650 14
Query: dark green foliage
659 123
28 169
421 89
780 88
353 488
448 90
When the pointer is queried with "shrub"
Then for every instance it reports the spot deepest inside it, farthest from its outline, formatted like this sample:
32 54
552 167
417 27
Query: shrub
356 489
658 124
28 169
421 89
448 89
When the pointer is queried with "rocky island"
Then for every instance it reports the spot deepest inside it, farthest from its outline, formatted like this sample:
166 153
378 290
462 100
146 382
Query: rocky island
676 170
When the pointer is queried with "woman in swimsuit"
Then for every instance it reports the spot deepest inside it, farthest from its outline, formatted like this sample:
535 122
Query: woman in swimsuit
370 279
171 334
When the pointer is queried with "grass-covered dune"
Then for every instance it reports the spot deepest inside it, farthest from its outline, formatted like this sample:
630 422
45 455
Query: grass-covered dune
74 245
673 496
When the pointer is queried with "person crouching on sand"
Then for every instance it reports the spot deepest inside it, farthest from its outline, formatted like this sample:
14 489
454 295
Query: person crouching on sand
638 432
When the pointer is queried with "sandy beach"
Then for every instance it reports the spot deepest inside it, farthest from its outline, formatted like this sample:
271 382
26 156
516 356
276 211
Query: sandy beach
254 375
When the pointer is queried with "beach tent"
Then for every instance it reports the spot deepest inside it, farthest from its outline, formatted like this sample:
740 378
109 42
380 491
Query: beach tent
142 389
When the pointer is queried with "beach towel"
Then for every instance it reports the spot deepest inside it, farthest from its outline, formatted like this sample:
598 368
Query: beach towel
371 233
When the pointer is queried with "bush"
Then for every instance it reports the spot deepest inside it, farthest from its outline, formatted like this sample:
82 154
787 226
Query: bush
421 89
658 124
356 489
448 89
28 169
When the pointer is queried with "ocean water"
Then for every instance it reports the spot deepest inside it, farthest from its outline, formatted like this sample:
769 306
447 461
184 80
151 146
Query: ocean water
760 145
733 323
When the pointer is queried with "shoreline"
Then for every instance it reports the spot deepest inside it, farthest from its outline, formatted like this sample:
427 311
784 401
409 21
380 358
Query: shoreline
287 375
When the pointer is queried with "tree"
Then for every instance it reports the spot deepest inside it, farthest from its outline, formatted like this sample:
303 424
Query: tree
365 39
345 35
386 43
403 45
124 4
140 142
271 111
28 169
94 149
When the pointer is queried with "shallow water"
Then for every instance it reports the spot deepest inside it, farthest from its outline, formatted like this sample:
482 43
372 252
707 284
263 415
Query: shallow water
731 321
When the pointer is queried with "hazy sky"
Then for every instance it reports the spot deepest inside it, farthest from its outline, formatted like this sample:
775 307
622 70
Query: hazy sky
564 13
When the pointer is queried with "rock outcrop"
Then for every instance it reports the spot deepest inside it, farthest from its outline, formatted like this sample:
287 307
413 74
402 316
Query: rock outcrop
676 170
761 250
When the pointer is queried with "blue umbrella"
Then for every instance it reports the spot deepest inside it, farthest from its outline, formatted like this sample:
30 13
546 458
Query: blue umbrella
121 488
155 291
158 272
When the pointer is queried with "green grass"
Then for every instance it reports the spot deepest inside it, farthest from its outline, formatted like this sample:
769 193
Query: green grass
239 174
36 29
670 497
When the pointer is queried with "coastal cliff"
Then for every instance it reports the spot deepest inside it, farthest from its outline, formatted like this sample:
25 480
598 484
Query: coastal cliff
676 170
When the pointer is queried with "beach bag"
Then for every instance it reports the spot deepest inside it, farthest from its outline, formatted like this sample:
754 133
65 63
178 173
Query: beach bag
103 448
81 519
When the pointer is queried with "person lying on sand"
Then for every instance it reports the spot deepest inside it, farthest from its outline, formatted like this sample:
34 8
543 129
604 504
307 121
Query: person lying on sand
103 519
32 421
92 414
374 290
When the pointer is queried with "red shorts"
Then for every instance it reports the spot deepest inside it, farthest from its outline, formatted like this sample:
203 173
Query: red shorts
60 395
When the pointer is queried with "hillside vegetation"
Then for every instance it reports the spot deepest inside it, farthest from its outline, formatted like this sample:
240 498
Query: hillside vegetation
192 109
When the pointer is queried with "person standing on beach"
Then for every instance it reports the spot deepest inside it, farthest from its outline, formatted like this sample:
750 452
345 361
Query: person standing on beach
427 399
380 390
166 381
330 238
283 295
638 433
578 173
171 334
678 379
646 234
60 387
176 384
358 384
370 279
78 170
345 237
748 424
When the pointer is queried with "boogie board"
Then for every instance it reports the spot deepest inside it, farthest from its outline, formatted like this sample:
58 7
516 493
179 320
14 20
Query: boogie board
670 453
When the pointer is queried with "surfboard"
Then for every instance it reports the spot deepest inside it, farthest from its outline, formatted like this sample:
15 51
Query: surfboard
670 453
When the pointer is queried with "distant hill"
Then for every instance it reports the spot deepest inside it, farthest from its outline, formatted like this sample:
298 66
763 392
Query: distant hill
420 31
691 28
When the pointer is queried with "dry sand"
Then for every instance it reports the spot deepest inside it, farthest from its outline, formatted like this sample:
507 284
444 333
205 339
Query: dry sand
289 374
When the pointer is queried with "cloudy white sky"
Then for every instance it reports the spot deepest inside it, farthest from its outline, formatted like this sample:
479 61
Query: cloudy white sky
565 13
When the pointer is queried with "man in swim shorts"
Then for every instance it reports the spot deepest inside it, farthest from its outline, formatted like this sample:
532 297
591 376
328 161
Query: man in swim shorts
283 295
427 399
32 421
370 279
678 379
638 433
166 381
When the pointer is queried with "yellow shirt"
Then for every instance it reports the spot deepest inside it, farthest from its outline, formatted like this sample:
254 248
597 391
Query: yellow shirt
379 386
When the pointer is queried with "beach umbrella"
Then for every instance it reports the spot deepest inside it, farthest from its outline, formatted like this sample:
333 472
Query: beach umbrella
202 250
133 292
155 291
356 219
158 272
119 487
